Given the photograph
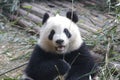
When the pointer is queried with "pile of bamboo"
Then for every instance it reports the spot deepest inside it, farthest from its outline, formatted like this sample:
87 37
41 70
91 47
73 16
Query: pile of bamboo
30 15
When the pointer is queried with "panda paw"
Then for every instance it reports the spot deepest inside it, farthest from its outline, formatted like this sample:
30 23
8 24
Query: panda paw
62 67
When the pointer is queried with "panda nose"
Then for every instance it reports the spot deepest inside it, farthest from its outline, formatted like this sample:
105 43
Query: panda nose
60 41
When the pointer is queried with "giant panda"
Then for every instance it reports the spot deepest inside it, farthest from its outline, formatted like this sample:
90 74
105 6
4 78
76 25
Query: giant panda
61 53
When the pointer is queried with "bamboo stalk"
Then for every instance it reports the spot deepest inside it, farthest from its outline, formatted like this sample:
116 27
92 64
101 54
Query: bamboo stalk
87 27
45 8
37 11
24 23
30 16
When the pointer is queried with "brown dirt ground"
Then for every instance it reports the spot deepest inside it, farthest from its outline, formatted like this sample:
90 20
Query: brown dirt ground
15 47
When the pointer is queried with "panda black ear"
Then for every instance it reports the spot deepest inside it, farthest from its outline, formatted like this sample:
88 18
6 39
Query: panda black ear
45 18
72 15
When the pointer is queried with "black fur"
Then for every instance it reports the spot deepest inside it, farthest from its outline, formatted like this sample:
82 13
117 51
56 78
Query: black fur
59 41
50 37
42 64
66 31
45 17
82 65
45 65
72 15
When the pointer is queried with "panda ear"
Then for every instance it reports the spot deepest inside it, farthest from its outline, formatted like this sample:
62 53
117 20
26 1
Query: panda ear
72 15
45 18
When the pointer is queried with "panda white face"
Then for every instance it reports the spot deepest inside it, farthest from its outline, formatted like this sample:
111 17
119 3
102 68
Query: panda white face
60 38
59 35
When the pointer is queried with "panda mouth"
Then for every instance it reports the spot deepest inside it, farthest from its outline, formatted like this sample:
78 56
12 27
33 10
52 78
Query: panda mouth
60 48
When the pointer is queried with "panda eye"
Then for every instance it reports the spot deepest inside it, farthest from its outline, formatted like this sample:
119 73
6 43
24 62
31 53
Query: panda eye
51 34
67 33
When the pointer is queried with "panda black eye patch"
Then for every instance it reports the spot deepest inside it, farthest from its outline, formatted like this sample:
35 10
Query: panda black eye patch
51 34
66 31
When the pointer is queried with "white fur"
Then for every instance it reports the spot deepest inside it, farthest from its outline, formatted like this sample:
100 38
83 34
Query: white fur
25 77
58 23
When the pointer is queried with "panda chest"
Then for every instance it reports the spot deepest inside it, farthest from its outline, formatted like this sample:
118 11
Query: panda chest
74 58
50 56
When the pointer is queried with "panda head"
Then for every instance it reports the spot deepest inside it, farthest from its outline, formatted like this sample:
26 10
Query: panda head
60 34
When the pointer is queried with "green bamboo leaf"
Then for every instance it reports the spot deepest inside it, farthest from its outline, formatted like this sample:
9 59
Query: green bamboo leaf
27 7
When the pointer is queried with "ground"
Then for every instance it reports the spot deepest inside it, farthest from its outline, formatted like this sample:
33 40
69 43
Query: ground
15 47
16 41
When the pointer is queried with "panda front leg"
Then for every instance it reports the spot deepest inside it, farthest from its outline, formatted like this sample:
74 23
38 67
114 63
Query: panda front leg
81 73
47 70
77 73
59 69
